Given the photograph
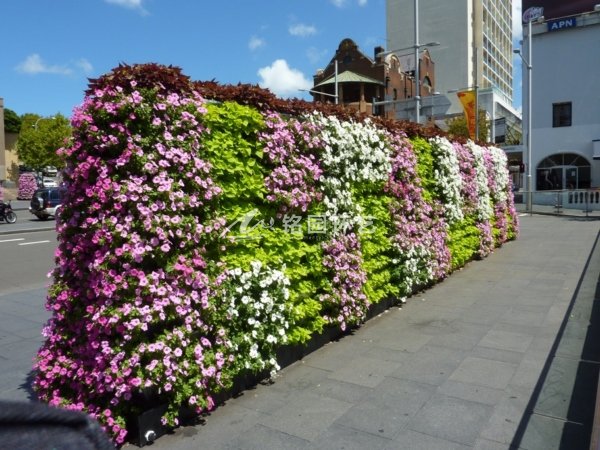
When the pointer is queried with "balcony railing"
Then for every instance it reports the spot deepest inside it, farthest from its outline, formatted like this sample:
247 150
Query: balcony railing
584 202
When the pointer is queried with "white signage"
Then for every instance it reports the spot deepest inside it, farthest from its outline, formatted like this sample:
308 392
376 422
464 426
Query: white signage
535 12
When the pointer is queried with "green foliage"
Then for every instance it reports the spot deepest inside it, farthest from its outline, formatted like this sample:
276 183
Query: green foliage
376 245
425 167
40 138
457 126
255 233
12 121
463 241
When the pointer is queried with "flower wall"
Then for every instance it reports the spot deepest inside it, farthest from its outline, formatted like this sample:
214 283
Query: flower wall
27 186
199 237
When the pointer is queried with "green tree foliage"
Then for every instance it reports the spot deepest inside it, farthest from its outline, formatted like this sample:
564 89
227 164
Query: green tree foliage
12 121
40 138
457 126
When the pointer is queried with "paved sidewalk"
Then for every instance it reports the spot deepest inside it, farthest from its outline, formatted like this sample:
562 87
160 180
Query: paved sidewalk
484 360
503 354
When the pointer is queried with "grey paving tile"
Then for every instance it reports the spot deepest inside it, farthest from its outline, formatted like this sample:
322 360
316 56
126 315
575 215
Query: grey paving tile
307 415
462 336
551 434
421 312
299 376
526 315
263 400
344 438
569 390
365 371
484 444
340 390
498 354
405 340
384 353
452 419
484 314
527 375
413 440
580 340
336 355
453 297
505 420
506 340
556 314
432 365
484 372
256 438
388 408
471 392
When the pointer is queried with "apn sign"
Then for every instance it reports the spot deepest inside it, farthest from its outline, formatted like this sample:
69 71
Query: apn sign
561 24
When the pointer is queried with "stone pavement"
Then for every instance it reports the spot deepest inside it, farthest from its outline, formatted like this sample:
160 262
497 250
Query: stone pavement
503 354
500 355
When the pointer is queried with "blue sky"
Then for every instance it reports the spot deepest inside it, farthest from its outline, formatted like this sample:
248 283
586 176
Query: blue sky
52 46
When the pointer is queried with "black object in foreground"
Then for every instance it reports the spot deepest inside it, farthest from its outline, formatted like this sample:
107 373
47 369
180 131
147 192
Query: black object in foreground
35 426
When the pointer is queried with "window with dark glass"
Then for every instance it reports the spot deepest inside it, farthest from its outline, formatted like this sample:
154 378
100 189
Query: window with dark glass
561 114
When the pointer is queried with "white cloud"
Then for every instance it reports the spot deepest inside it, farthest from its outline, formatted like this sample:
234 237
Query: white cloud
130 4
34 64
302 30
342 3
85 65
255 43
283 80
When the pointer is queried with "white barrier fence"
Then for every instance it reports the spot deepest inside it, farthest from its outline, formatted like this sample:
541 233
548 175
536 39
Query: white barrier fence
573 201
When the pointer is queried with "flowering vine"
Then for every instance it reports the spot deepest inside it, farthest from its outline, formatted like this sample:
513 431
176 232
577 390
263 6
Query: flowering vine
153 301
257 314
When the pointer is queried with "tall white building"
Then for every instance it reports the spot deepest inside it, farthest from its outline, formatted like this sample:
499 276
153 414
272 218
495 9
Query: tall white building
475 48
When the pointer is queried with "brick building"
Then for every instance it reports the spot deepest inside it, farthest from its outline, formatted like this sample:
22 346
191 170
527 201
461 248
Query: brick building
362 79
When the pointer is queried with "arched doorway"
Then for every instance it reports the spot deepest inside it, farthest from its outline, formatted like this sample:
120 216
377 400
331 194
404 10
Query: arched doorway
563 171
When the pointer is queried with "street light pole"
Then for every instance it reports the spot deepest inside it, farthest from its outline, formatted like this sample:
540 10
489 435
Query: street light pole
476 86
417 79
528 64
335 82
529 117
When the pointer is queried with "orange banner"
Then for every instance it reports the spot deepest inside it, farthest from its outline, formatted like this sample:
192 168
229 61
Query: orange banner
467 98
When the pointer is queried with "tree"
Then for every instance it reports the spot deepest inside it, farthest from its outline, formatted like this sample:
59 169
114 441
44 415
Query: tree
514 136
457 126
12 121
40 138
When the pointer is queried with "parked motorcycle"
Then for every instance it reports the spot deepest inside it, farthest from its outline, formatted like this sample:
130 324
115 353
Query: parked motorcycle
6 212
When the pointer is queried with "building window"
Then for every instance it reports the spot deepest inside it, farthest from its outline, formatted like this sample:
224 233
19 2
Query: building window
561 114
564 171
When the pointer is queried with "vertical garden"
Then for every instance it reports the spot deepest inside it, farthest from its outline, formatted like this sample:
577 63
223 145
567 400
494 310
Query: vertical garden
205 227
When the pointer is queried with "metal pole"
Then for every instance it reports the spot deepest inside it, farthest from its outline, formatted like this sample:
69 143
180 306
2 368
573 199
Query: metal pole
476 94
529 117
336 82
417 80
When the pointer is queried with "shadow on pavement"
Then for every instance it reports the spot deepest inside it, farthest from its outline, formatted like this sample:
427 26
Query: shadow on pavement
561 407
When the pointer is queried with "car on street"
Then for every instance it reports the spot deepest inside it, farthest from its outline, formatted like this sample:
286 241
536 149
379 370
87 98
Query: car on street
50 171
46 202
49 182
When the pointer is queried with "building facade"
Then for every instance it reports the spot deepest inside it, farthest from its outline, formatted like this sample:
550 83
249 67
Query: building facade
372 85
565 127
475 48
